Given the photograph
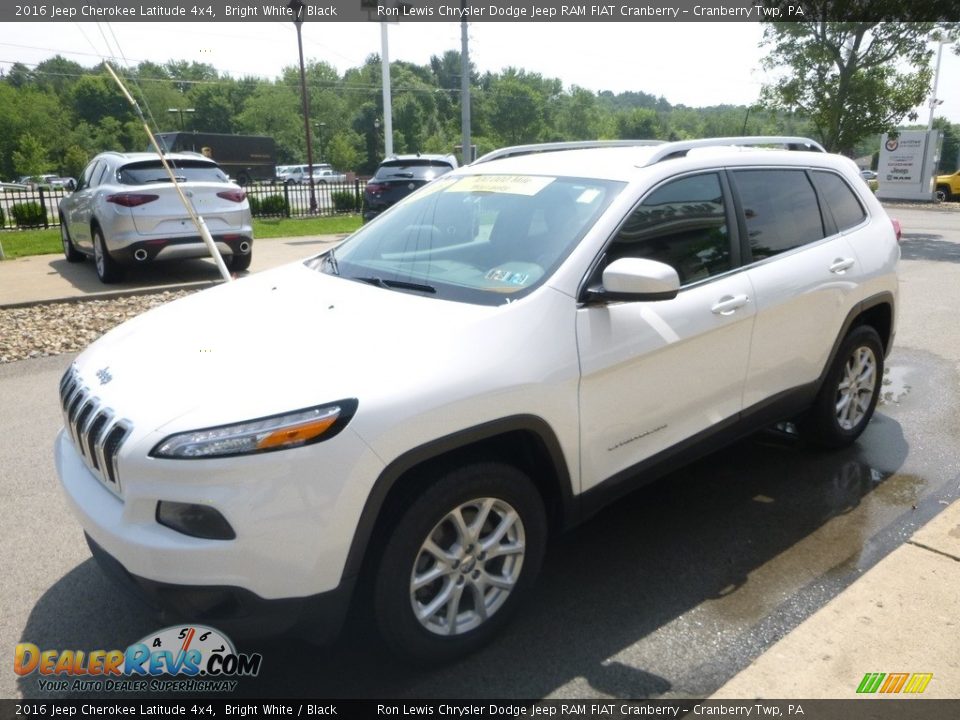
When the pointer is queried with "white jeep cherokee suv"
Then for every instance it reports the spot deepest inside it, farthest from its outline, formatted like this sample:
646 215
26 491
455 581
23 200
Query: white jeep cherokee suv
406 419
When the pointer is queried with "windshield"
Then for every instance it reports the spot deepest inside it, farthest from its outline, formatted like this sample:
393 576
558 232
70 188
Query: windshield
152 171
484 239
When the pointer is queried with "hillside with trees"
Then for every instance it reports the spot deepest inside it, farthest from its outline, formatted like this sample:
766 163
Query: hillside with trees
55 116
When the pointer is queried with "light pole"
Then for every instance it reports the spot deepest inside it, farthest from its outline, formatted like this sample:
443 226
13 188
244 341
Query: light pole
180 111
320 127
297 7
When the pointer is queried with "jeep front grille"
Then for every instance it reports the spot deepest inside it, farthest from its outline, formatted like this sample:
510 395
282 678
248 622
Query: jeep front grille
94 429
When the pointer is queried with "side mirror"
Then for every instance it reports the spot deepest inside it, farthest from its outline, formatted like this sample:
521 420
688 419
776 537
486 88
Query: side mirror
636 279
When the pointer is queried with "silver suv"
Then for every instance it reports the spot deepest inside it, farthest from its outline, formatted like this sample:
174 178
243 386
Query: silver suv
125 210
488 363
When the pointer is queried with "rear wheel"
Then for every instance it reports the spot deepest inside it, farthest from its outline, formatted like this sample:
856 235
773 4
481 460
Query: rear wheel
107 268
70 251
461 559
850 391
241 262
943 193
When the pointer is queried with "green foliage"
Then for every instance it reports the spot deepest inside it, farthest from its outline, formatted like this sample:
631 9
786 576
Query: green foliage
28 214
70 113
852 80
274 204
31 156
3 219
344 201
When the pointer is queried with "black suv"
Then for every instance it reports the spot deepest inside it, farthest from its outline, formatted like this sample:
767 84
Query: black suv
400 175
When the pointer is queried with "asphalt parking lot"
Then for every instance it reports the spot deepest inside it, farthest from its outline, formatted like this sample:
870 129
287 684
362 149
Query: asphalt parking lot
669 594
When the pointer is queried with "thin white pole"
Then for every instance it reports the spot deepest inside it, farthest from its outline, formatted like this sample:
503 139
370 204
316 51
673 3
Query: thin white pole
387 107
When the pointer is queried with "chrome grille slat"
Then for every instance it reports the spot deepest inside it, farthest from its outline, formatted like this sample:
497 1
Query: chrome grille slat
96 432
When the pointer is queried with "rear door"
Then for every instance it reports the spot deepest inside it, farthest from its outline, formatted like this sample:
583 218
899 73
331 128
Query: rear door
803 272
79 206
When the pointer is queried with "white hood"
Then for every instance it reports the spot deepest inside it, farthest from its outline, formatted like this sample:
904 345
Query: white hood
277 341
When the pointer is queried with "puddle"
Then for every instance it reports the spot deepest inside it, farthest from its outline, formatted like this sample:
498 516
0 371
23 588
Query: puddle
894 385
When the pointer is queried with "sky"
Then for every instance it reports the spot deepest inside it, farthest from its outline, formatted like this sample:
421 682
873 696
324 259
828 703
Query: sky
694 64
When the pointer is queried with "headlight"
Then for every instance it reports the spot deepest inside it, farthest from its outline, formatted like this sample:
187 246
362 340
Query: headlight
277 432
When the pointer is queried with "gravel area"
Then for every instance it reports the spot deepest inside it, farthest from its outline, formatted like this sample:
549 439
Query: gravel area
30 332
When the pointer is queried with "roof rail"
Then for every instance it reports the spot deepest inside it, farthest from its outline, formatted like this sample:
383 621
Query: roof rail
516 150
669 151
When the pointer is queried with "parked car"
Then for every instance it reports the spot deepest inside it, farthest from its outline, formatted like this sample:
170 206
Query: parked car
868 175
300 174
324 175
414 413
126 211
400 175
948 186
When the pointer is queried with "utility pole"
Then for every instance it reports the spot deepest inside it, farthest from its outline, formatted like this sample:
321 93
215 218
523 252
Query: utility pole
387 107
466 155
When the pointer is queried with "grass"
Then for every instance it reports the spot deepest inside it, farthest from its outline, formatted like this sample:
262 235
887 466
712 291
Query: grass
21 243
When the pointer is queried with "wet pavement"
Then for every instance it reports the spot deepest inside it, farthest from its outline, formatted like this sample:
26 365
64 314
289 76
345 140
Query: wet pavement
667 594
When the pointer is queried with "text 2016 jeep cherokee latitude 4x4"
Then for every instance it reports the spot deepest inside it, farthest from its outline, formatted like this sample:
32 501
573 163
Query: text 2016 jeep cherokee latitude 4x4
488 362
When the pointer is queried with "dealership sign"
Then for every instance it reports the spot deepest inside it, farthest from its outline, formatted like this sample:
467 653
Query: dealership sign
907 165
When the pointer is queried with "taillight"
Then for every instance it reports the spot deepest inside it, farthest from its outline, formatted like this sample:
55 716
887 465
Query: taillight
897 229
131 199
233 195
374 188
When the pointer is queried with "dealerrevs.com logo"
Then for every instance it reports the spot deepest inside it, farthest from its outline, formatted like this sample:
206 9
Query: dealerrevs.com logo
191 658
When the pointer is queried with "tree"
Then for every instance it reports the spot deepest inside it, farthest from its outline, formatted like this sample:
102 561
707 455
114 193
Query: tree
851 79
30 157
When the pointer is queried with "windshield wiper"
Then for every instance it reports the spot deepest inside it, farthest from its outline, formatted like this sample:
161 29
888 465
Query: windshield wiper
166 178
396 284
402 174
331 260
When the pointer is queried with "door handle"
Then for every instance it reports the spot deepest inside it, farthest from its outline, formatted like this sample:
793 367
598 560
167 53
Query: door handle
728 304
841 265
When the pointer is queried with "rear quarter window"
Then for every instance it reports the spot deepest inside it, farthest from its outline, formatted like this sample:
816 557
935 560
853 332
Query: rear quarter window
780 210
841 200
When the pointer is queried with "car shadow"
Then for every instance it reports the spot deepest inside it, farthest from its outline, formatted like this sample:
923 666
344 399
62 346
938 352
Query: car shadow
83 275
695 548
921 246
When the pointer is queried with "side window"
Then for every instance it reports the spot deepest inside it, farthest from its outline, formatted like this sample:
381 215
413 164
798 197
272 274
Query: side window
88 174
99 174
780 209
842 201
683 224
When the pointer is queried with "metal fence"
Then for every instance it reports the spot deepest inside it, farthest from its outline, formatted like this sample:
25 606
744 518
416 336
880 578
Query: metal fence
22 208
294 200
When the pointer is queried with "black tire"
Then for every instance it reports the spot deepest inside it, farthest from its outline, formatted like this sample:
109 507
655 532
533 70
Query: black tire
241 262
850 391
70 251
107 268
491 490
943 193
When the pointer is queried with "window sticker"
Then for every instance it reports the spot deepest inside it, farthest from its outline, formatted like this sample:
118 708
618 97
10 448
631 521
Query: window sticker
511 184
507 276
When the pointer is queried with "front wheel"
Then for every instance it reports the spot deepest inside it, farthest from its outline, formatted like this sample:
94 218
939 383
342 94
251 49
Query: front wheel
459 562
850 391
943 193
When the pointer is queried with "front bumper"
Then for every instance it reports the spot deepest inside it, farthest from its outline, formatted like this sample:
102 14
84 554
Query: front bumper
234 610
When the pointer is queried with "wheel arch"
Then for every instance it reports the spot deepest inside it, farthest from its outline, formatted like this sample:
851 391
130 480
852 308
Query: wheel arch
875 311
526 441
